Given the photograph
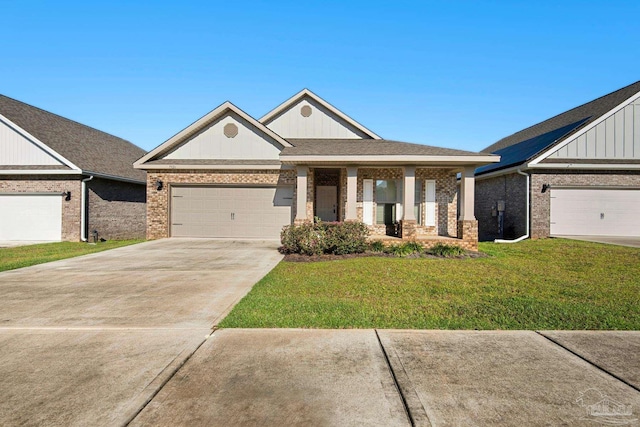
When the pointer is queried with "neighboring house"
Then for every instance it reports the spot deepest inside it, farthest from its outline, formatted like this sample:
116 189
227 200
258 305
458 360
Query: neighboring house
230 175
577 173
61 180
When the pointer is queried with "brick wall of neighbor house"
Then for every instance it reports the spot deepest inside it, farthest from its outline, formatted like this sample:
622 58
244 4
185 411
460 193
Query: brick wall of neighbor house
446 198
540 202
117 210
511 189
158 201
53 183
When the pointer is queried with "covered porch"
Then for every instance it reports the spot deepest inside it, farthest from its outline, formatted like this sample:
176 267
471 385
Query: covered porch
397 202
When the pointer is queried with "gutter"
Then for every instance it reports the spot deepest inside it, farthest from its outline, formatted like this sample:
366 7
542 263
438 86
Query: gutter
83 207
526 235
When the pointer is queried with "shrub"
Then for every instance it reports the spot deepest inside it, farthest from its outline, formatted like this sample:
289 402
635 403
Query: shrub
408 248
345 237
376 246
337 238
446 251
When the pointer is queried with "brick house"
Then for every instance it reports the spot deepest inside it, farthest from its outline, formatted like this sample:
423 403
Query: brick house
577 173
61 180
230 175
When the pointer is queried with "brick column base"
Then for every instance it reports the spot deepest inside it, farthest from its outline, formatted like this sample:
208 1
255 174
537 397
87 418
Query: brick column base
408 229
301 221
468 232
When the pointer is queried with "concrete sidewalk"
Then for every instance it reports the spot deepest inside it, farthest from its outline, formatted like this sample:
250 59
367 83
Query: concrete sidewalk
432 378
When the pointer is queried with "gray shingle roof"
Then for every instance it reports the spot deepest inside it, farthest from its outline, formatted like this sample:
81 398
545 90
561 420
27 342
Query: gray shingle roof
366 147
86 147
591 111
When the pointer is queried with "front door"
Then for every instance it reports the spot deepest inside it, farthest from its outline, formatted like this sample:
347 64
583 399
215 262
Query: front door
327 203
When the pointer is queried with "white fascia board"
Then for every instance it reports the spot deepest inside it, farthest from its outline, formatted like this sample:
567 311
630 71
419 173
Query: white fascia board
41 172
590 126
306 92
468 160
589 166
202 122
505 171
214 167
113 177
39 143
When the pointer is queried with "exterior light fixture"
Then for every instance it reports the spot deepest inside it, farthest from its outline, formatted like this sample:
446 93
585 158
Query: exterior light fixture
545 187
159 185
67 195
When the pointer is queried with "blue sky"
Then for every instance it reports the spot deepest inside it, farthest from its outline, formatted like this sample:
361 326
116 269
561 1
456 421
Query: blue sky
456 74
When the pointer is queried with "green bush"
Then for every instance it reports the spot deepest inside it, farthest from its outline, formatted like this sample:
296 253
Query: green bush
408 248
446 251
376 246
336 238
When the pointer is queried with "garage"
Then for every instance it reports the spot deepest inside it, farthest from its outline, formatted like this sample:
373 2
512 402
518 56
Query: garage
28 216
595 212
230 212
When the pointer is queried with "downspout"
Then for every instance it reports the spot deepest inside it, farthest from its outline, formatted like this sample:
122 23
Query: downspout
83 207
526 235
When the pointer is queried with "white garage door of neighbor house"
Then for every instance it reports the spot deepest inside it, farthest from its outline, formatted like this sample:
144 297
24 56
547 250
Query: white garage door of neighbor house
31 217
595 212
232 212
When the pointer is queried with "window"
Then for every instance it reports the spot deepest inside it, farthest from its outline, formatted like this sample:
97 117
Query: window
389 201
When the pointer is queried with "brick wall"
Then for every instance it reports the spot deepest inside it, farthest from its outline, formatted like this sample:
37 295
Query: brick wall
511 189
52 183
117 210
158 201
540 202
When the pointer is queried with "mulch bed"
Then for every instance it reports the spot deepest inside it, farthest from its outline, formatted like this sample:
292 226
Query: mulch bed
330 257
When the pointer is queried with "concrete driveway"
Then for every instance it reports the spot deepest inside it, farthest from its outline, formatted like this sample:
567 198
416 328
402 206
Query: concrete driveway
89 340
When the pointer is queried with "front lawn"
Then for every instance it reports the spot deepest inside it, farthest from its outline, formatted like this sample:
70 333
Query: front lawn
24 256
540 284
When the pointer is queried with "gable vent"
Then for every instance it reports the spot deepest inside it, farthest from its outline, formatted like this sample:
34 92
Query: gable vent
305 111
230 130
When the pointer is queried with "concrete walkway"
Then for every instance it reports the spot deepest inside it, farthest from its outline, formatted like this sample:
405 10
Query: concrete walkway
386 378
89 340
631 241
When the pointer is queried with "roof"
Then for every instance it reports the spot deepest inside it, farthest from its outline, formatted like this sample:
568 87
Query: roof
306 93
377 151
87 148
525 144
366 147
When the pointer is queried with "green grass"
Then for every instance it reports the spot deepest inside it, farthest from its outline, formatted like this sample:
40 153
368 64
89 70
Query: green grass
541 284
24 256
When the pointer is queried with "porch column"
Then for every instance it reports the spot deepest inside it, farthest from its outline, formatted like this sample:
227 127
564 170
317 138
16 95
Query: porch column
467 194
352 194
409 193
301 194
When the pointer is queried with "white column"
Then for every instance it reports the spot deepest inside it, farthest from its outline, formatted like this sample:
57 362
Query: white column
467 194
352 194
301 190
409 193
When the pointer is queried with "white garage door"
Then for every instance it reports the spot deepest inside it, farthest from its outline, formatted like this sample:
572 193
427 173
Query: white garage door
591 212
234 212
31 217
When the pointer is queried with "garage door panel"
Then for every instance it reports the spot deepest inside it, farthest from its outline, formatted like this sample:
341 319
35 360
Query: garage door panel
232 212
595 212
31 217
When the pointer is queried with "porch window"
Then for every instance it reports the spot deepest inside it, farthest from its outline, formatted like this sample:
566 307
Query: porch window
389 201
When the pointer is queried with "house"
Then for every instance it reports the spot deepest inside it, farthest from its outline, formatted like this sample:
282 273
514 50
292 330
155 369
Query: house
230 175
577 173
61 180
